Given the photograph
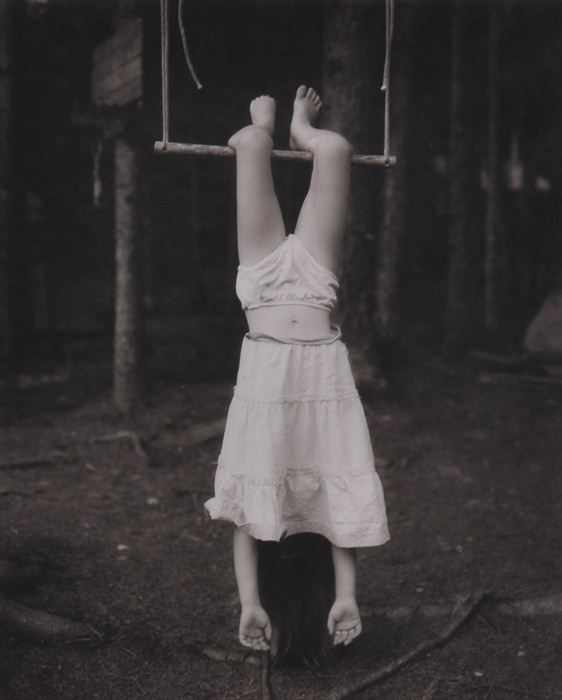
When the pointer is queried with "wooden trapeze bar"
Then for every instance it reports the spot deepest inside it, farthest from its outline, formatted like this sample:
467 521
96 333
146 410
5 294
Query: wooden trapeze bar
165 146
199 149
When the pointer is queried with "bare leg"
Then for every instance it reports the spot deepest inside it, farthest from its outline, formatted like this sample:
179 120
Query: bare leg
255 627
321 222
259 219
344 622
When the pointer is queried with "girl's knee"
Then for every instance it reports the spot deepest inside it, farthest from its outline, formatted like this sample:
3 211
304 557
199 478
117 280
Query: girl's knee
251 138
333 144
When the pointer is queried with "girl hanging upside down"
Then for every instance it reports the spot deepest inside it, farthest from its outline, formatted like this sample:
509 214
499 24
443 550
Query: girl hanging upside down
296 455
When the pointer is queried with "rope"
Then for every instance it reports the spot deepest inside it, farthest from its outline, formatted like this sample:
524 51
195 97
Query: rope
385 87
184 44
164 39
164 32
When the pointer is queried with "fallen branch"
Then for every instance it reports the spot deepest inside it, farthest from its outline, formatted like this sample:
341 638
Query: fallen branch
235 656
41 626
465 608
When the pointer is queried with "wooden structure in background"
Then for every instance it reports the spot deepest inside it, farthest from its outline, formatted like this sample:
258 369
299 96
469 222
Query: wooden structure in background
165 146
117 79
117 66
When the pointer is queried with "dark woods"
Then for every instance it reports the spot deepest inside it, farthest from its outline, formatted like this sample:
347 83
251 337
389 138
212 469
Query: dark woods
108 251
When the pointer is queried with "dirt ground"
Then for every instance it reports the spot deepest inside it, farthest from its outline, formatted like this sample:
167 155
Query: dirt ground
472 472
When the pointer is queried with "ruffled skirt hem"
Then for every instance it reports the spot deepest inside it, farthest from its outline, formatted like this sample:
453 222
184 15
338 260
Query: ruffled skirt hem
367 535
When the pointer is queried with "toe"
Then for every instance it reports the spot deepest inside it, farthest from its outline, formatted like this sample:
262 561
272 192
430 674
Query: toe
301 91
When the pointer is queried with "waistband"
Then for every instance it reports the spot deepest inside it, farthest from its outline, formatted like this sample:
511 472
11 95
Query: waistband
265 337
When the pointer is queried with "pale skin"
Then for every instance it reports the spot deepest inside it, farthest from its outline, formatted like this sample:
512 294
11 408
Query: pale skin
321 226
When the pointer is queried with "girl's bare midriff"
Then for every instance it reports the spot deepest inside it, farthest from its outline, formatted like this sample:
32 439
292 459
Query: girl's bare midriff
290 321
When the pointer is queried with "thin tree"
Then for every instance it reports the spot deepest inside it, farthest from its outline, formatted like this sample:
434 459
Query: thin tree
492 263
350 92
459 185
128 365
6 67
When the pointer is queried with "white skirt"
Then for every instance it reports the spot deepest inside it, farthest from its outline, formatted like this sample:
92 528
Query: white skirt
296 454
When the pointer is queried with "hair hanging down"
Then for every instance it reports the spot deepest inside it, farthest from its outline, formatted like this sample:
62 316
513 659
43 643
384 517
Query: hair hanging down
296 581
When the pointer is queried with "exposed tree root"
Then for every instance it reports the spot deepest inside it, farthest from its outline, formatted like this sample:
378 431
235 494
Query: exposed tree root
41 626
42 460
194 435
201 432
462 611
460 614
130 435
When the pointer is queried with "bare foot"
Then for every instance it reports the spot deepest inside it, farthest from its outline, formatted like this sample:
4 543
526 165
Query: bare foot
262 114
344 622
255 628
306 107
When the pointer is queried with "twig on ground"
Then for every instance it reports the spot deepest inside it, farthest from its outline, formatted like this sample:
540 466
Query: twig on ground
266 689
465 608
235 656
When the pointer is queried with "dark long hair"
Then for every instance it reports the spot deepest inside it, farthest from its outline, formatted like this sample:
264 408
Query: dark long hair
296 581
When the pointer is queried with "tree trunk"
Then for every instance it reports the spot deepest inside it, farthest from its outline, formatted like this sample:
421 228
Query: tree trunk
6 139
349 92
390 245
128 366
459 183
492 231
